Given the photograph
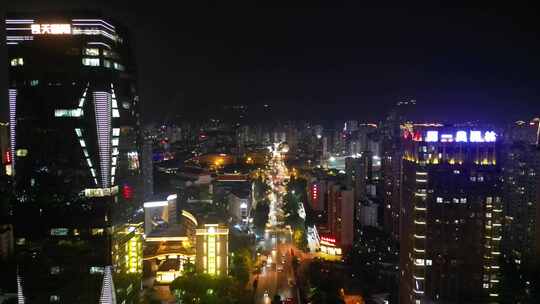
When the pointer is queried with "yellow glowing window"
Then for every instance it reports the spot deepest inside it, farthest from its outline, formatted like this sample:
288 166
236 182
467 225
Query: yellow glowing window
17 61
91 51
21 152
90 61
97 231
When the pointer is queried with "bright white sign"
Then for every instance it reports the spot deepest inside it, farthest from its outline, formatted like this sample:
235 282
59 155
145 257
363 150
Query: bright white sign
462 136
476 136
54 29
432 136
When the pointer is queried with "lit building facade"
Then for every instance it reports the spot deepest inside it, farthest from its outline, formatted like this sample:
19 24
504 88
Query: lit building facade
212 242
341 215
74 147
451 217
169 238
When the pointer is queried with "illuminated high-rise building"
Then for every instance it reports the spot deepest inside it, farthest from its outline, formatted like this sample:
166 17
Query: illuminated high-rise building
74 147
450 216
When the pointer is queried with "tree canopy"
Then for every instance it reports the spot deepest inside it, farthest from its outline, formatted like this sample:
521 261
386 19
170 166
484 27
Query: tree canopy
200 288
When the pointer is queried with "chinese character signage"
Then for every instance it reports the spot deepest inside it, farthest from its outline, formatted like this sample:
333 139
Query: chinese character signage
53 29
472 136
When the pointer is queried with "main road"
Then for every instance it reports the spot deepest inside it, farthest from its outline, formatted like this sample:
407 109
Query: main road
277 276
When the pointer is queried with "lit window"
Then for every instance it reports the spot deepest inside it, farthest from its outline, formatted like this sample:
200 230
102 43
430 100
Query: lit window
456 172
89 162
428 262
107 53
83 144
118 66
34 82
439 199
79 132
86 153
21 152
97 231
59 231
68 112
116 131
473 178
115 113
107 63
91 51
96 269
113 171
55 269
90 61
463 200
115 151
54 299
114 159
480 178
17 62
455 200
115 141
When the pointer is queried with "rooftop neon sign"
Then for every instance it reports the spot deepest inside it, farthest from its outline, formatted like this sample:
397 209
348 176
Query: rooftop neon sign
473 136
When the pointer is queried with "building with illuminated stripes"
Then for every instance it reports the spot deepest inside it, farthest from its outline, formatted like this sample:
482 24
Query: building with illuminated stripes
450 216
212 257
74 150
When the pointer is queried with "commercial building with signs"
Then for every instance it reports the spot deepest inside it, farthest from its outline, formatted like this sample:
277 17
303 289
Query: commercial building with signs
74 155
451 215
175 238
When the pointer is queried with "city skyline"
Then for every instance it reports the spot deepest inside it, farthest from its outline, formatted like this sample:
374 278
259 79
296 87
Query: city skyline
241 154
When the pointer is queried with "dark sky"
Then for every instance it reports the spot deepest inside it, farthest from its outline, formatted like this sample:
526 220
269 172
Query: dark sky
349 61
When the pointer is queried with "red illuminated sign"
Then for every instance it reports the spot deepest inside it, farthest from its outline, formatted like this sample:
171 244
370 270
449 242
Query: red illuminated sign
417 136
7 158
314 192
127 192
330 240
407 134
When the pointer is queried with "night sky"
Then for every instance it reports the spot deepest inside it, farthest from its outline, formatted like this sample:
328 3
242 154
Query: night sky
343 62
